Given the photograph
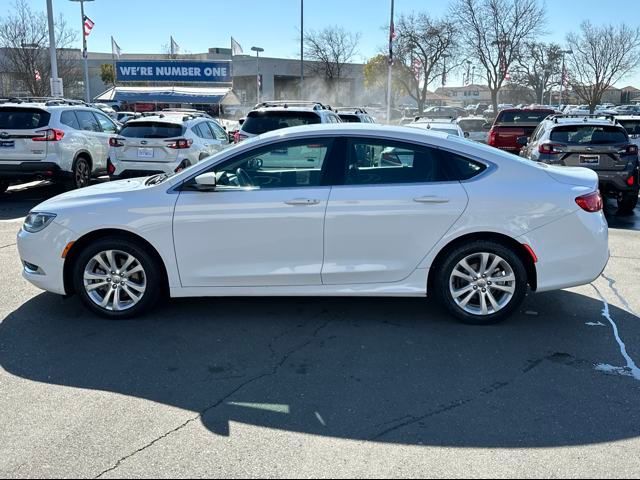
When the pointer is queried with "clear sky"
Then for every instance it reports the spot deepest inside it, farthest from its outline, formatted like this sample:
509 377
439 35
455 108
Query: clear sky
143 26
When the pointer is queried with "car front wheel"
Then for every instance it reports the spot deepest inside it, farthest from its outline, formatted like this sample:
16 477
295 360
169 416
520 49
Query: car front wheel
117 278
482 283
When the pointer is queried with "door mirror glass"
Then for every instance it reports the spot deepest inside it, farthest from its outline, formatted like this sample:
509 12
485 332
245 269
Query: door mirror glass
207 181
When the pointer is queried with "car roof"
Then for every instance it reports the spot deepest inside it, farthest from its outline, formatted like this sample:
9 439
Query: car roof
581 121
162 118
628 117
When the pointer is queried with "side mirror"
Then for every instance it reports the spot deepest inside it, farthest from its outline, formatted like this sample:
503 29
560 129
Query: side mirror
486 126
466 135
523 141
206 181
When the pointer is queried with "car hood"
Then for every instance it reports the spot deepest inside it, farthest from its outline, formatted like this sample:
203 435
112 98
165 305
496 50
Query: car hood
97 194
582 177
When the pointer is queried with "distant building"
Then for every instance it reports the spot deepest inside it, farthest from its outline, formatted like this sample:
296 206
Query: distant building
466 95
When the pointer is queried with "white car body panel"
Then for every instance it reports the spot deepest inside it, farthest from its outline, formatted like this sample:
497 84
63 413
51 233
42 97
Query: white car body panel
253 243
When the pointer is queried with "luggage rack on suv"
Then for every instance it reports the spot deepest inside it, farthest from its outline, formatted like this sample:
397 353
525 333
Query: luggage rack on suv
352 110
293 104
47 101
586 118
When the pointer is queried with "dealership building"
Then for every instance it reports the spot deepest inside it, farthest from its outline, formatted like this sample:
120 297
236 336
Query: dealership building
212 78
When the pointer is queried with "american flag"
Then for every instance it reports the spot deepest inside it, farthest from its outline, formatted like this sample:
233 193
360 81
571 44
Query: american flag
88 26
38 76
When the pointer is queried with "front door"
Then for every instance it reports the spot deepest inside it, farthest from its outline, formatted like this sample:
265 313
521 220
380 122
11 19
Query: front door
263 224
398 200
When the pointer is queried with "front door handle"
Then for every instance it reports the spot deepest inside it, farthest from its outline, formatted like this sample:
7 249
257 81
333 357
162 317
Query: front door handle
302 201
431 199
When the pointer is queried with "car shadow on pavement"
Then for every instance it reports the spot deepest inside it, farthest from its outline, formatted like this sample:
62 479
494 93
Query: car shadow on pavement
620 221
20 199
385 370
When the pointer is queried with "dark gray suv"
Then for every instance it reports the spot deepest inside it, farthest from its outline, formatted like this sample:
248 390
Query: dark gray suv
596 142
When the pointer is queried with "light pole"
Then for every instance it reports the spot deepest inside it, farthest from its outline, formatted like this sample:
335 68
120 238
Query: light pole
87 92
468 80
55 82
563 52
473 75
301 49
258 51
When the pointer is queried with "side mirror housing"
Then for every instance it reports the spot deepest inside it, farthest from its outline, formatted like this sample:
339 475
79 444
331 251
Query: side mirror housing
207 181
523 141
466 135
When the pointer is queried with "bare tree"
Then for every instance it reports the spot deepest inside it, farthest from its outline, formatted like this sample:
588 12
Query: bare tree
538 68
24 39
332 48
602 56
495 31
426 50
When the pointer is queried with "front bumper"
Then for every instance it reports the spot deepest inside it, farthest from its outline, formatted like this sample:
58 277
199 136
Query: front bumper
41 256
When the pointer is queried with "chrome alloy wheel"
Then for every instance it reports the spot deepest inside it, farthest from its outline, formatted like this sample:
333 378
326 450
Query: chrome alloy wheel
482 284
82 174
115 280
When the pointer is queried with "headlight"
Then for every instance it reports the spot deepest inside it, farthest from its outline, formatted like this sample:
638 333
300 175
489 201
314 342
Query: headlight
36 222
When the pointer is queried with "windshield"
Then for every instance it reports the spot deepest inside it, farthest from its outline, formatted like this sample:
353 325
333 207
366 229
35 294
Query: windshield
523 116
151 130
258 123
23 118
588 135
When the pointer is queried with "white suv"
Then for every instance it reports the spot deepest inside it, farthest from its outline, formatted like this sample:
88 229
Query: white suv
59 140
269 116
164 143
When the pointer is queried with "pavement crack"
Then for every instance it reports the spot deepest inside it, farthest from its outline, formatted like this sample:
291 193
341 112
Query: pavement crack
274 371
7 246
614 289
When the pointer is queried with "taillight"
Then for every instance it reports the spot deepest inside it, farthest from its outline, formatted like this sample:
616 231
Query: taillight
181 144
111 168
631 181
49 135
548 148
591 203
493 137
239 137
631 150
116 142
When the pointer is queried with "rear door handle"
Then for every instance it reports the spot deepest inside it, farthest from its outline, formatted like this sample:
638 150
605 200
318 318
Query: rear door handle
431 199
302 201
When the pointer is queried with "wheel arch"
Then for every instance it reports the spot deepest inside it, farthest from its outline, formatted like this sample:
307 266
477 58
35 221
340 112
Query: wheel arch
519 249
83 153
86 240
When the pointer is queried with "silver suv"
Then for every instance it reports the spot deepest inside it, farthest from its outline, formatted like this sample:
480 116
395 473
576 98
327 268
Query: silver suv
58 140
269 116
164 143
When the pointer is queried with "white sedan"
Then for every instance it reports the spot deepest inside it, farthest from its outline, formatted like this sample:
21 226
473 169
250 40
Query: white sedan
324 211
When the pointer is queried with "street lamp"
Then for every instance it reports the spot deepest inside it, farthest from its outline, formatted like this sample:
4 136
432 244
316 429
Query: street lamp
563 52
84 51
258 51
55 82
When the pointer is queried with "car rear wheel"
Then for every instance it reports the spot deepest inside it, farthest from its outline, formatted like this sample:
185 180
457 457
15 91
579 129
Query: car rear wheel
81 174
482 283
117 278
627 202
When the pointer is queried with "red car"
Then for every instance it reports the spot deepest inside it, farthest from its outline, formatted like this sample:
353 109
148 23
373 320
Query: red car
514 123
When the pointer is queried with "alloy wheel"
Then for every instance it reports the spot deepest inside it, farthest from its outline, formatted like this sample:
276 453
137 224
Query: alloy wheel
82 174
482 284
114 280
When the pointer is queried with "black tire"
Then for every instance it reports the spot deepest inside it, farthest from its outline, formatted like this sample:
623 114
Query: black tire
152 271
4 185
627 203
443 288
81 174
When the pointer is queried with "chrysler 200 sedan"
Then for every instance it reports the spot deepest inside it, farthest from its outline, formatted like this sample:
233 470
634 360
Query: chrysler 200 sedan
327 211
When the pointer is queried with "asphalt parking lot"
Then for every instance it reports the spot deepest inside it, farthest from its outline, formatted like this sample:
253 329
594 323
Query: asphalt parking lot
320 388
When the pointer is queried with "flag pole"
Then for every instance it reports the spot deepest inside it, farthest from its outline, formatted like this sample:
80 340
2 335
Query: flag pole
113 60
389 80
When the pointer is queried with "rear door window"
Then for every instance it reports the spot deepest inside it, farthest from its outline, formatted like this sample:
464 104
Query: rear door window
88 121
258 123
588 135
23 118
219 132
203 131
151 130
69 119
106 124
632 127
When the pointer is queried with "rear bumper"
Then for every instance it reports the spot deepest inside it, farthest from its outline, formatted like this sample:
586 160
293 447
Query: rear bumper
124 170
572 251
612 182
29 170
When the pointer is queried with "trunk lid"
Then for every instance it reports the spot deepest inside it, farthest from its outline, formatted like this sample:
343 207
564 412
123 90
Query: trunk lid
18 128
581 177
595 157
148 141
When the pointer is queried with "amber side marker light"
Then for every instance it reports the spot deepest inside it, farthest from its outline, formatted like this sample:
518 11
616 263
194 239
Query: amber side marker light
67 249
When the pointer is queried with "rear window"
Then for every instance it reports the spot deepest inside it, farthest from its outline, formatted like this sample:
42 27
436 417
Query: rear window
588 135
151 130
350 119
258 123
23 118
472 125
523 116
631 126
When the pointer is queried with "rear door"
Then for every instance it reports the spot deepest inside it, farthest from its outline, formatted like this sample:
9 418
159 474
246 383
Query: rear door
385 218
593 146
108 129
149 141
91 134
20 128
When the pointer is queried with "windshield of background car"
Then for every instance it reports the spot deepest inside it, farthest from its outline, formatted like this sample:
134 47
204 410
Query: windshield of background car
632 127
522 117
588 135
472 125
151 130
23 118
258 123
